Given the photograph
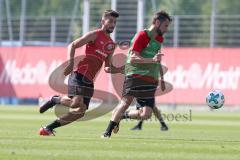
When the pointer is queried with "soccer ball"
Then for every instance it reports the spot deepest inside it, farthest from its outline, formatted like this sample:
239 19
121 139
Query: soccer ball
215 99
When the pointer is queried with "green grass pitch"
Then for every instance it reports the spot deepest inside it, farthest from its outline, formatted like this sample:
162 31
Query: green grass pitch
210 135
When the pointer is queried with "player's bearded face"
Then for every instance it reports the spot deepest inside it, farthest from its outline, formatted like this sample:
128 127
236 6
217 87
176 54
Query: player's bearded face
163 27
159 31
109 24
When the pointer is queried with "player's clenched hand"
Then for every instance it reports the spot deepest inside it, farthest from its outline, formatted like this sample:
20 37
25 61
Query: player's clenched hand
68 69
157 57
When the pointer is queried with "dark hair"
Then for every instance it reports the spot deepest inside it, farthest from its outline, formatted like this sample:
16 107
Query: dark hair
161 16
110 13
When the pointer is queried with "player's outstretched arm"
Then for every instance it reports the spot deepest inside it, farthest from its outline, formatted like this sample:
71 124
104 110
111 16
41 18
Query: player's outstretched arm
88 37
110 68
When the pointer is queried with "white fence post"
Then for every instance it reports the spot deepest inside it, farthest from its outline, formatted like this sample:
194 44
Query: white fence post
212 27
9 20
114 7
70 29
1 8
176 31
53 30
86 8
140 15
22 22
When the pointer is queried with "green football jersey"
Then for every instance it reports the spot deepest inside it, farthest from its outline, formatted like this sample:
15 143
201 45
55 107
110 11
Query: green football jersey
145 69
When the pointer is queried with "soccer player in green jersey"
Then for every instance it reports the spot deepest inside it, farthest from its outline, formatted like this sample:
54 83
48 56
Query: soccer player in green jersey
141 72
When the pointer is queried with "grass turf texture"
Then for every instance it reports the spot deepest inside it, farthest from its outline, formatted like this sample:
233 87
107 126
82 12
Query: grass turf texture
210 135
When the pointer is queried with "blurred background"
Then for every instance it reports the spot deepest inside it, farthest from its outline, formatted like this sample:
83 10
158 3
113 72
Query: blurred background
201 48
205 23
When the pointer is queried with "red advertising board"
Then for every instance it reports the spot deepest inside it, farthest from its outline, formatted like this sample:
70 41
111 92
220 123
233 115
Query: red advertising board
193 72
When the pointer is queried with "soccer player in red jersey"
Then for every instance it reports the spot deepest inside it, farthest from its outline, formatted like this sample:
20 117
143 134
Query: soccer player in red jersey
99 49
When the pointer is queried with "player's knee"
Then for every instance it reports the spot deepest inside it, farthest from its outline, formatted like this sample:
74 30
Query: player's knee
123 105
79 112
145 115
77 104
126 101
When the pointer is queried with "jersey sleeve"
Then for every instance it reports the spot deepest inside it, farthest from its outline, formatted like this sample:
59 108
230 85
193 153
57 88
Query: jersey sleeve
140 41
160 39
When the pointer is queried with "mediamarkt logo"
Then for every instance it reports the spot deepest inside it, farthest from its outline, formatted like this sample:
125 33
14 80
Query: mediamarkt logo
28 74
194 77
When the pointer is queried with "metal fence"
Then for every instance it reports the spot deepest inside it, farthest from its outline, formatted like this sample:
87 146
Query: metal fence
195 31
185 31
